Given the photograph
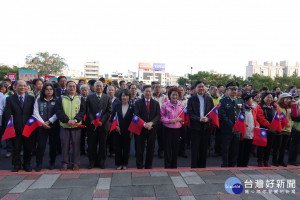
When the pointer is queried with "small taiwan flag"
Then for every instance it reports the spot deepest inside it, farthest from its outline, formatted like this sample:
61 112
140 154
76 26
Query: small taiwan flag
260 137
240 125
97 119
284 119
213 114
186 117
136 125
276 124
30 126
10 130
114 124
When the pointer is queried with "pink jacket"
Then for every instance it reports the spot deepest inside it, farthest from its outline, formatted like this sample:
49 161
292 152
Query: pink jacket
169 112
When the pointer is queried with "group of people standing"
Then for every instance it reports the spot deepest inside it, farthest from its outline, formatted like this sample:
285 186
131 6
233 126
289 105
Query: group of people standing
73 115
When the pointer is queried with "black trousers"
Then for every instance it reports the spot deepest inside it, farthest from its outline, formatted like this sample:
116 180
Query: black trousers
171 146
245 150
42 137
145 138
199 143
218 141
83 140
97 138
263 153
160 136
122 147
110 144
279 146
188 137
230 148
294 145
18 142
182 140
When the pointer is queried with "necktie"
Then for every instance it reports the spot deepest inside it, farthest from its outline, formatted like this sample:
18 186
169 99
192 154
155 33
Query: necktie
99 98
21 101
148 105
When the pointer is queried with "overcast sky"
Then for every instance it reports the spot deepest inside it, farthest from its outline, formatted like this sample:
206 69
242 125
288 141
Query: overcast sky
221 35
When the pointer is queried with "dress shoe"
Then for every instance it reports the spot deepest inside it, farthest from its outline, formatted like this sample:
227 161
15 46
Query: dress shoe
63 169
282 164
8 155
161 154
293 163
15 169
76 168
38 168
148 167
275 164
27 169
124 167
261 164
267 164
101 166
91 165
51 166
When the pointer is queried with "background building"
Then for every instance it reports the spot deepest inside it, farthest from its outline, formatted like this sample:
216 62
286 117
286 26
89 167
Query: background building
268 69
91 70
149 72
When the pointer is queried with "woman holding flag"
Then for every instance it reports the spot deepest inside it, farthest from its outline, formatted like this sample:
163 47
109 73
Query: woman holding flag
266 112
122 114
44 111
170 117
281 138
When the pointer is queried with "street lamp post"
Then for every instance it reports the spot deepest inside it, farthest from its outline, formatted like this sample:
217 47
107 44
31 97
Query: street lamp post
191 70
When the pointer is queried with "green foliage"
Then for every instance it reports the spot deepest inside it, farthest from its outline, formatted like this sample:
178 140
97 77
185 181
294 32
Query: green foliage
5 69
257 81
46 64
182 81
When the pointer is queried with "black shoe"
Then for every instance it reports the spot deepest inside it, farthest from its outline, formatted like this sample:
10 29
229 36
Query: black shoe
282 164
102 166
38 168
91 165
148 167
51 166
183 155
293 163
161 154
27 169
275 164
15 169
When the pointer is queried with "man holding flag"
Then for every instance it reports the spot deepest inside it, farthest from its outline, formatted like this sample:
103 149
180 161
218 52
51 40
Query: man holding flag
20 107
230 108
199 106
97 126
70 110
148 110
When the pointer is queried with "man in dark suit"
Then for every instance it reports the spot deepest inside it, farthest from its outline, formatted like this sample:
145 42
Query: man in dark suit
98 102
199 106
62 81
20 106
147 109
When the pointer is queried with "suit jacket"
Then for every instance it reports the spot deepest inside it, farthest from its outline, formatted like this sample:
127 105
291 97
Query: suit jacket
140 109
58 91
20 115
94 105
194 110
125 121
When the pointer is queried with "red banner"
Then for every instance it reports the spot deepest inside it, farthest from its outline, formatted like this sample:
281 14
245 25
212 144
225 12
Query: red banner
47 78
12 76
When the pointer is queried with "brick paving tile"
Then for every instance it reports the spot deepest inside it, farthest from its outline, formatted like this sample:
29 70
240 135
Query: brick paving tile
187 198
229 197
105 175
174 174
297 194
140 174
32 177
266 171
69 176
295 171
2 177
236 171
11 197
101 194
184 191
144 198
206 173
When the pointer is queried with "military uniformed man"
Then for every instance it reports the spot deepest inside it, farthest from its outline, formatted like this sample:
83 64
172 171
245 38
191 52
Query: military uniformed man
230 107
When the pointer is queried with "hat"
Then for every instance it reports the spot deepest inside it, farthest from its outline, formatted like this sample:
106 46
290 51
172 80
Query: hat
247 96
246 84
193 87
284 95
233 85
240 89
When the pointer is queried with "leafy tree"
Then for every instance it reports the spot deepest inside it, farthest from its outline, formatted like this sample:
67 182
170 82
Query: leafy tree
182 81
46 63
5 69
